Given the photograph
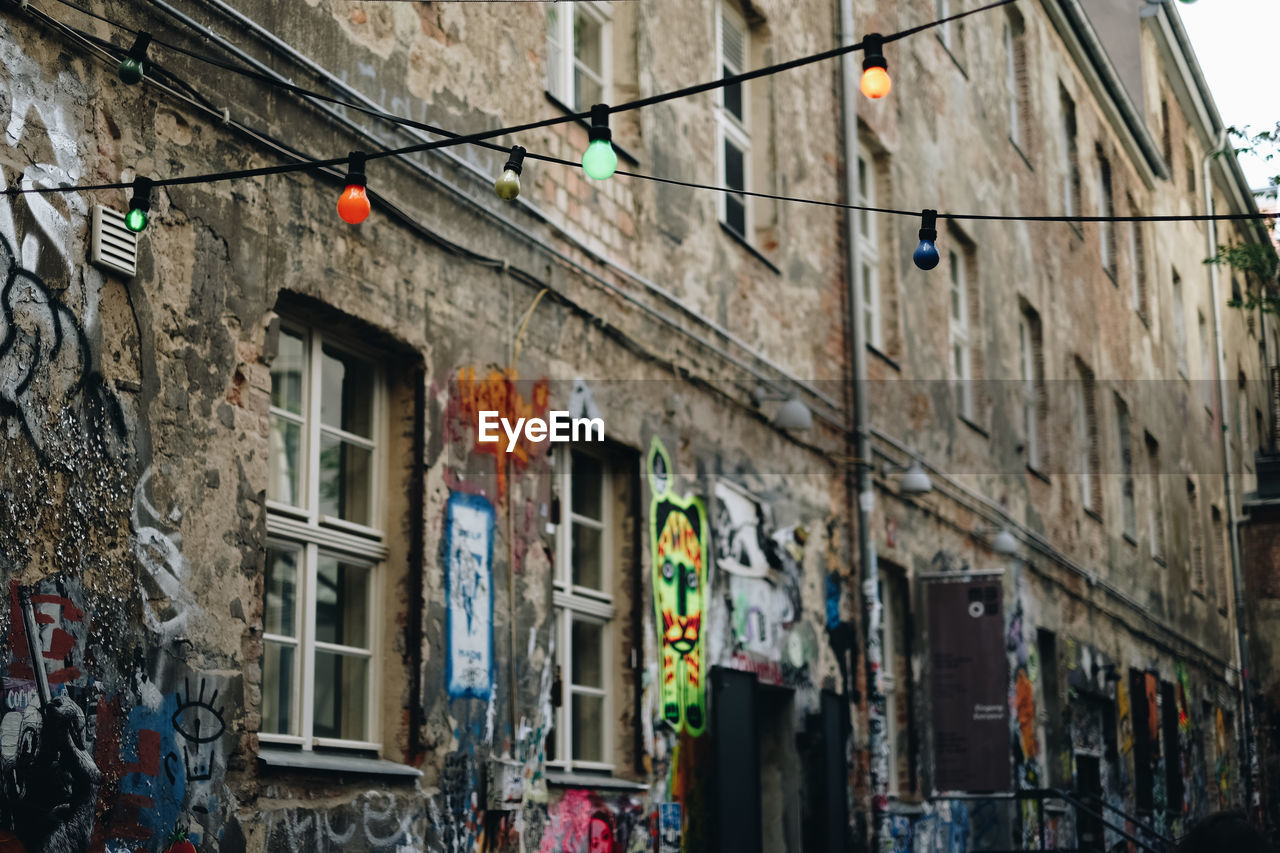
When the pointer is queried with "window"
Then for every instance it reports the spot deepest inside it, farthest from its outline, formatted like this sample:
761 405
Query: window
896 678
1034 396
732 50
324 544
1219 556
1138 262
1016 84
1071 157
869 255
592 502
1129 515
1155 506
1189 161
1087 440
1106 207
1166 134
961 355
1179 325
1242 420
1206 363
578 53
1195 539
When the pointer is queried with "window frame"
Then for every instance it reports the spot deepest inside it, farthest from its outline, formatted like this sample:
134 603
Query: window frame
311 534
1128 490
571 602
1071 180
1032 394
730 129
959 331
1107 230
869 255
567 58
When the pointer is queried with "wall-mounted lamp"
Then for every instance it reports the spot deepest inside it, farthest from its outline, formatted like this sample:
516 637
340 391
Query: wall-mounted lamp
792 414
914 479
1003 542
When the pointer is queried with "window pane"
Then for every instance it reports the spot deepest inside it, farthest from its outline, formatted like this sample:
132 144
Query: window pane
342 696
277 688
733 98
555 55
588 728
587 90
586 646
587 43
342 603
287 371
286 448
587 557
346 473
280 592
346 395
735 215
734 167
588 475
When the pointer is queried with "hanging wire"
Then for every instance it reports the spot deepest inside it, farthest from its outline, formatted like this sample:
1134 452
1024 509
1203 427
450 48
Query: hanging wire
482 138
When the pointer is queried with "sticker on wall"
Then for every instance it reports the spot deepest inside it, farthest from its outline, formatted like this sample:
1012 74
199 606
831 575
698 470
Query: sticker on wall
468 548
678 543
669 832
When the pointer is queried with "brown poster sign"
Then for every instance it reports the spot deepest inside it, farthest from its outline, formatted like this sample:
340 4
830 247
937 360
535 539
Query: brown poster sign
969 685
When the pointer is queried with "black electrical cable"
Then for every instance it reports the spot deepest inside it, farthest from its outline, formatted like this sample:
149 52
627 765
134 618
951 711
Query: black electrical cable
481 138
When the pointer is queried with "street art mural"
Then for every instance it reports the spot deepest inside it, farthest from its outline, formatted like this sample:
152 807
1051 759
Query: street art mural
678 544
584 821
1026 759
374 820
498 391
468 552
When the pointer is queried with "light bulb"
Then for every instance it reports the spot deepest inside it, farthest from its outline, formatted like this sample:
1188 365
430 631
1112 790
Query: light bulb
136 219
134 66
926 255
130 70
508 184
876 82
600 161
353 204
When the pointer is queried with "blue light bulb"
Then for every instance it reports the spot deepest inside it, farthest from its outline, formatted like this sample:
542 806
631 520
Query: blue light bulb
926 255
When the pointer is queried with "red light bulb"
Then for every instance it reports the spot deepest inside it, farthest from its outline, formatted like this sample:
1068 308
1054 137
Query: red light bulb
353 204
876 83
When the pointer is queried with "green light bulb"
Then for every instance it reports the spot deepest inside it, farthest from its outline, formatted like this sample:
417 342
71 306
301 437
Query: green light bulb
508 186
135 220
130 70
600 161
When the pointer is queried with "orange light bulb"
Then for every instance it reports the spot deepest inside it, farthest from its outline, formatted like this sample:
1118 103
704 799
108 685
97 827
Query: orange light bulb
876 82
353 204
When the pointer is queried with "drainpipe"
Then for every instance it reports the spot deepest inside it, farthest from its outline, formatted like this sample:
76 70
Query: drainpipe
877 745
1233 518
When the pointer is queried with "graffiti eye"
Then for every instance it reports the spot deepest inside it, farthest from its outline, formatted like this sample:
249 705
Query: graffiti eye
668 571
691 580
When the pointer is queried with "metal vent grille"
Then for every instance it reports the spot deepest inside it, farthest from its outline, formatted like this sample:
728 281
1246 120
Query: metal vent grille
113 247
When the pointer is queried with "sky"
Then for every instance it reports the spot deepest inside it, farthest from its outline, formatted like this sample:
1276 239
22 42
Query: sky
1238 45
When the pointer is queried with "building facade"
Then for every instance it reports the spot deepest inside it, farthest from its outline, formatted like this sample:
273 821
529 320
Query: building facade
284 597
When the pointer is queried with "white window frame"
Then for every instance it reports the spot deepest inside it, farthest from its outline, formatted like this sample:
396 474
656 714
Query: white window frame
1030 390
562 62
1011 82
728 127
573 602
305 529
869 255
959 339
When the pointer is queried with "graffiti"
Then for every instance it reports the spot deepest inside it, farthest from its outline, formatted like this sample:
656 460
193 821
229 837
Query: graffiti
167 603
943 828
1223 769
468 545
374 820
669 833
198 721
1027 774
740 524
584 822
60 627
499 392
678 543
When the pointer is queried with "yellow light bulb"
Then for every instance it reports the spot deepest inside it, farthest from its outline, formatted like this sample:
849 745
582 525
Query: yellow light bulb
876 82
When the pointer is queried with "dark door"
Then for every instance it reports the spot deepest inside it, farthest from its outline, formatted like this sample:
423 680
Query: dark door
1089 827
736 738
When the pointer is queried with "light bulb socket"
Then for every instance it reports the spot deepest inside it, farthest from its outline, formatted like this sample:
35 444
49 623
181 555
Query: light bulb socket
873 48
929 225
515 161
599 124
355 169
139 50
141 194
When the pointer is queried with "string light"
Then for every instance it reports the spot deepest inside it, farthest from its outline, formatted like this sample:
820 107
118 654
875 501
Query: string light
876 82
134 66
600 161
508 184
926 255
139 206
353 204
